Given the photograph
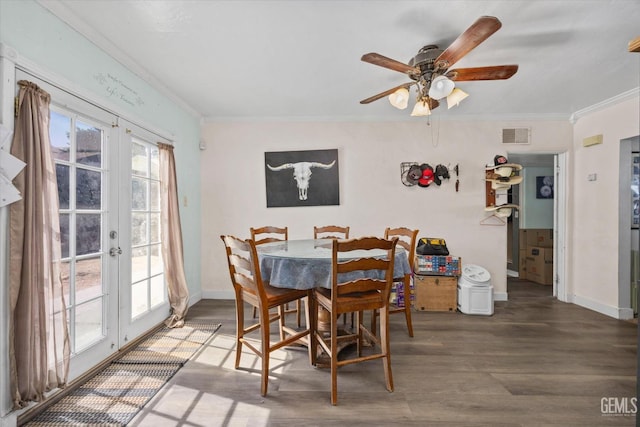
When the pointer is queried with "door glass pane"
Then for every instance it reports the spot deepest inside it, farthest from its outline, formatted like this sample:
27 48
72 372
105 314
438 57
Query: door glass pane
157 290
88 324
138 194
62 177
88 189
89 145
157 266
59 133
88 279
139 264
65 278
139 229
154 164
154 196
139 298
139 160
88 234
154 228
64 234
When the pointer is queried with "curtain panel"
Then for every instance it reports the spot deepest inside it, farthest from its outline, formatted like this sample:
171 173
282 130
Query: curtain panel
172 250
39 348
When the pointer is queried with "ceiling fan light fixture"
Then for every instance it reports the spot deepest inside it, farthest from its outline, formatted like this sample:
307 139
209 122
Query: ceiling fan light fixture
400 98
454 98
421 108
441 87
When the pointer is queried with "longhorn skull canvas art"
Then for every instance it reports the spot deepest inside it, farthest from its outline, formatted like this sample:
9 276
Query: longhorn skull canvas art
298 187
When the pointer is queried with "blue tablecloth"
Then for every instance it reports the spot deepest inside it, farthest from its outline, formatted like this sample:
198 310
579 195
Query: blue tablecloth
306 264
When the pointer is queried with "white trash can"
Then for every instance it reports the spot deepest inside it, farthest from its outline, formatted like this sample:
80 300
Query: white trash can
475 293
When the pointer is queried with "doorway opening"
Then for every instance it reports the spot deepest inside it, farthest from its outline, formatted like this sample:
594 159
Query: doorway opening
535 231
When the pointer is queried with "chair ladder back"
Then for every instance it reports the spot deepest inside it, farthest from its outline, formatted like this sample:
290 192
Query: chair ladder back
245 271
330 232
407 239
268 234
363 284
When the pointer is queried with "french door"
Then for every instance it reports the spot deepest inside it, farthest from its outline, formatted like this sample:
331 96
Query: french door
143 291
109 209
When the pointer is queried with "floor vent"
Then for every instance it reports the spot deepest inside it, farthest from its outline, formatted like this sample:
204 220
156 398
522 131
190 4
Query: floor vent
516 136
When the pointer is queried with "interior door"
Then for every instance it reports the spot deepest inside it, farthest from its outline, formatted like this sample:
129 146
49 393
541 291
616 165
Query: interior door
559 222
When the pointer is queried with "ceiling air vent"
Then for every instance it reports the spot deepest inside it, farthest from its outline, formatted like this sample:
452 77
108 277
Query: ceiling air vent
516 136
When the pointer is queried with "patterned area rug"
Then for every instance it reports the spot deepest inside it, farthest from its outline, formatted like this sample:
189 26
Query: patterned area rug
116 394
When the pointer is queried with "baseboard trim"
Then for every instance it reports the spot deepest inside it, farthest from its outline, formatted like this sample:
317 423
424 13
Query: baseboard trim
607 310
219 295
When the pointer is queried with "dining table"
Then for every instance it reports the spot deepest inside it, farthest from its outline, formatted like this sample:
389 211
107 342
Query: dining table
306 263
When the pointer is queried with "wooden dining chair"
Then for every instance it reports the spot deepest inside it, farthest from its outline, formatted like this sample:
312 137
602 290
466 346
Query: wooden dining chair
330 232
354 290
407 238
244 270
268 234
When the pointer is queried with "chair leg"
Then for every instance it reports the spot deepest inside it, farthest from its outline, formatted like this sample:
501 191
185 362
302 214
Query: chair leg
282 312
385 347
299 313
265 347
312 321
359 325
239 329
334 359
407 304
407 315
374 323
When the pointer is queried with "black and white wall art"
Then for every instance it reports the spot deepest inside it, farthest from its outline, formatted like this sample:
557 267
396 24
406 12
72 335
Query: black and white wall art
302 178
544 187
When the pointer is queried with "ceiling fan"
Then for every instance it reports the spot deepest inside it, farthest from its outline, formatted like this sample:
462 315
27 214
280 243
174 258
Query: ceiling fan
430 70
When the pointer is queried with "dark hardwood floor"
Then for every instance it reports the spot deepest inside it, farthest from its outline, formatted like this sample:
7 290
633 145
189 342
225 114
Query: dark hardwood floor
535 362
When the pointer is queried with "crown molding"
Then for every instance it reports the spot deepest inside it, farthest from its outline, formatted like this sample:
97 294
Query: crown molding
66 15
388 119
624 96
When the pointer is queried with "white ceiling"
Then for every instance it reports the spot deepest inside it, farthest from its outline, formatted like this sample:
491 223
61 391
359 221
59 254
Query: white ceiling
300 59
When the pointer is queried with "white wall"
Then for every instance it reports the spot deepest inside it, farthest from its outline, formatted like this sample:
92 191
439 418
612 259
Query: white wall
593 248
372 195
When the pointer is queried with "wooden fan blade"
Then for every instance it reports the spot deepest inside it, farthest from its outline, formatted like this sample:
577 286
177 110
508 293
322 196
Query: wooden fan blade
478 32
385 93
392 64
498 72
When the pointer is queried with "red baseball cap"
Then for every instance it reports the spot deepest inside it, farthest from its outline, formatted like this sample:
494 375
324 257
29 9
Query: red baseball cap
427 177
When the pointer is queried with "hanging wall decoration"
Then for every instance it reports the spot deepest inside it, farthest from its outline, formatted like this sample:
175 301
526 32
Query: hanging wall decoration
302 178
544 187
423 174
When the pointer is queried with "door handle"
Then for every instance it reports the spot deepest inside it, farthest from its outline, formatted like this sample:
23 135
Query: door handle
115 251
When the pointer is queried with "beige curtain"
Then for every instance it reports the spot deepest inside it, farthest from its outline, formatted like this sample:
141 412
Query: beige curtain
172 253
39 339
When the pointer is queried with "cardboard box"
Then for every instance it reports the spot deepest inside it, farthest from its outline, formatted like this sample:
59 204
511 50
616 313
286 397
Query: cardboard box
438 265
540 265
541 237
436 293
